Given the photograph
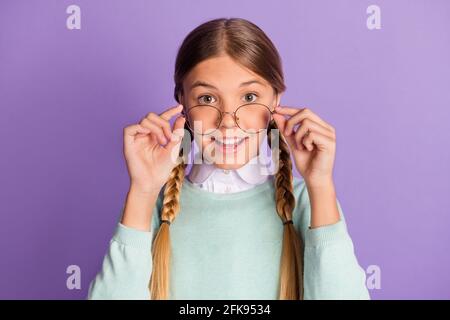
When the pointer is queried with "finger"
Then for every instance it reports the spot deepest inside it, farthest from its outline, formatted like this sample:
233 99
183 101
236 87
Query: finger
178 125
302 113
168 114
317 139
153 138
289 111
308 124
178 132
155 129
301 118
164 124
280 120
131 131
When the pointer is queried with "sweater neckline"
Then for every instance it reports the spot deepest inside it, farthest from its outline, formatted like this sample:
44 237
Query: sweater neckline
191 187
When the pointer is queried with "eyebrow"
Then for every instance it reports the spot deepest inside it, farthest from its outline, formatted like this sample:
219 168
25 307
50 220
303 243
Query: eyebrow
199 83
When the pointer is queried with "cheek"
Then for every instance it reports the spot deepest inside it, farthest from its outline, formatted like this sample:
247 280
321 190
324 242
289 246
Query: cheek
254 143
206 142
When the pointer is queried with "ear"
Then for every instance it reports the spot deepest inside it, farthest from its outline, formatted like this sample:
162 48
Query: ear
277 99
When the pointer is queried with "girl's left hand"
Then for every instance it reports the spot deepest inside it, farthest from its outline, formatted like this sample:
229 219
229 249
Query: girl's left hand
313 144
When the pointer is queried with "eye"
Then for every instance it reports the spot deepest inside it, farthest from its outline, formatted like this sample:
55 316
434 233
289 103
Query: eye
250 97
206 99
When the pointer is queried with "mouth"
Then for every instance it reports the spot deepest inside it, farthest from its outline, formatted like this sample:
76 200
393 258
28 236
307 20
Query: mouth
230 144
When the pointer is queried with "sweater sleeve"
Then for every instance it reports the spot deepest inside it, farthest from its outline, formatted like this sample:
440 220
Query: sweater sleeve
331 269
127 265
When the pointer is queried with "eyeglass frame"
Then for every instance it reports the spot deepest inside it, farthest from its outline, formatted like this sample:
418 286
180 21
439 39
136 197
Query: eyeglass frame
184 113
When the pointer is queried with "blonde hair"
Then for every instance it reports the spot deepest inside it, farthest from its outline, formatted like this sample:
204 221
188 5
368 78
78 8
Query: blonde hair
248 45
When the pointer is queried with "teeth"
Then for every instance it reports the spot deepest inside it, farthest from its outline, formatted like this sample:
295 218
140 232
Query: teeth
231 141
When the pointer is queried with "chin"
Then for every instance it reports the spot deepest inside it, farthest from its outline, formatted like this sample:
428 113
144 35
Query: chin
229 166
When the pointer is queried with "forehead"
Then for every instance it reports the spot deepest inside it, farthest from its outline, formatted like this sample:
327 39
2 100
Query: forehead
224 74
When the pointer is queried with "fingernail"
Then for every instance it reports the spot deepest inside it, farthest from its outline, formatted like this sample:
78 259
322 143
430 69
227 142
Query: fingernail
174 138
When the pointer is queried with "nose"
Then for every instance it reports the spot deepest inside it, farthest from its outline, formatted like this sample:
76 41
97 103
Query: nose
228 120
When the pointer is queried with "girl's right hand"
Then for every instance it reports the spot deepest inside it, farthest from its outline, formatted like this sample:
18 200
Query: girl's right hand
151 148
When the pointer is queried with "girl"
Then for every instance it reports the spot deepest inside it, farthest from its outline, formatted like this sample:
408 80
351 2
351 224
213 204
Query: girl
230 229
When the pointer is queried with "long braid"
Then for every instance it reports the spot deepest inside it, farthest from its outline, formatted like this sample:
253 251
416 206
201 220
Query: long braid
291 265
159 282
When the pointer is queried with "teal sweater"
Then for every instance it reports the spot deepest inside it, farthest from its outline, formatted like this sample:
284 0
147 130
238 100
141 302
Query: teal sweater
228 246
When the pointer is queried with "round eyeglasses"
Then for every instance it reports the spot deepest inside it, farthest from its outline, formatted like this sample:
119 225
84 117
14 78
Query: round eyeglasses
250 117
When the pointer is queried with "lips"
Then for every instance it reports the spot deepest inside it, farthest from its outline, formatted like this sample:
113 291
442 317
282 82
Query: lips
230 142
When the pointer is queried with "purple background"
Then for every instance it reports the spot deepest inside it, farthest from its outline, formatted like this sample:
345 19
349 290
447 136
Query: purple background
65 96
